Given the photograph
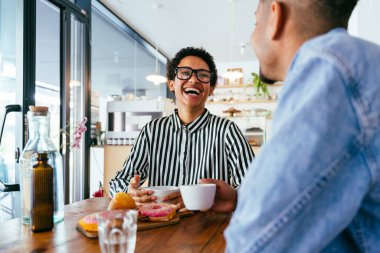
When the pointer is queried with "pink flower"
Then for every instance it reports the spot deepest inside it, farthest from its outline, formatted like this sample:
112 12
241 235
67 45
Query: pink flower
80 129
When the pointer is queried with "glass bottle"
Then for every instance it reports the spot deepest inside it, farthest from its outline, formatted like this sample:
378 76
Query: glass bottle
40 142
42 199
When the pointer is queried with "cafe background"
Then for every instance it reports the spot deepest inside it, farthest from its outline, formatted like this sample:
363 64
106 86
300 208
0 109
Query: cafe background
90 59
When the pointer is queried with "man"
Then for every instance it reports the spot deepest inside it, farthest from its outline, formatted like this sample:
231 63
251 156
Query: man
317 180
191 143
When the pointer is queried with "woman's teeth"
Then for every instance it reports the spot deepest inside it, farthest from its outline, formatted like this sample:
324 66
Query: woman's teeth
192 91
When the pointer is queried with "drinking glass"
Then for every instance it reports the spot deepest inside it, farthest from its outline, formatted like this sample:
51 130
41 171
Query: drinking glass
117 231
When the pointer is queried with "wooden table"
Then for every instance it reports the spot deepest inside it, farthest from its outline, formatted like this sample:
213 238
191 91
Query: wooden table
200 232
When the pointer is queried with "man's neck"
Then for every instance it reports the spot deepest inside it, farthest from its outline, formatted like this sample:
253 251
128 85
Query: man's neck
188 116
289 48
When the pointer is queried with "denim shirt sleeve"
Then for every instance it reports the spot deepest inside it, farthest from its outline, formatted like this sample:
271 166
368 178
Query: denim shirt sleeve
298 195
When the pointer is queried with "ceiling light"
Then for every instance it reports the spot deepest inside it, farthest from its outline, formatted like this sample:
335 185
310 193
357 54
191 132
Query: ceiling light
230 74
156 78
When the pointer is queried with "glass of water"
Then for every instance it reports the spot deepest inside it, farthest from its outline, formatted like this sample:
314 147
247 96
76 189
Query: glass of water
117 231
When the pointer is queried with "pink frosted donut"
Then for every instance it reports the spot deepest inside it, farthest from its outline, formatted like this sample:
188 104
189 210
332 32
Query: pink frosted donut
157 211
89 223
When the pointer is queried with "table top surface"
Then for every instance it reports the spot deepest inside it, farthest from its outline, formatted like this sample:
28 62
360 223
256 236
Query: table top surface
199 232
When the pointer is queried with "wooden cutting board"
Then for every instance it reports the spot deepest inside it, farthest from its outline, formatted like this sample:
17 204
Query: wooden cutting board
141 225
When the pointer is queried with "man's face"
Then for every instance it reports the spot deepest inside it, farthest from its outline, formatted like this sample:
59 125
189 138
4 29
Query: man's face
191 94
261 41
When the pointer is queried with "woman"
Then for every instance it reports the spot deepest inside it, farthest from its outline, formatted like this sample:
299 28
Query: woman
190 144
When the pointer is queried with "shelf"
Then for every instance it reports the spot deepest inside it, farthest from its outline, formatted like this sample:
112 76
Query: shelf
244 85
253 134
243 101
233 85
245 116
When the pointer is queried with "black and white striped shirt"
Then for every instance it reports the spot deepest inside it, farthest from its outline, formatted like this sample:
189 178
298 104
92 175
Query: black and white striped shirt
169 153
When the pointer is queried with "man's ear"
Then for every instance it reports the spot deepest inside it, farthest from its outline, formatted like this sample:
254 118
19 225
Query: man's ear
171 85
278 19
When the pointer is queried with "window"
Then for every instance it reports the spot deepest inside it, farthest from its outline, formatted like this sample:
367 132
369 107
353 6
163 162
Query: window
119 64
11 19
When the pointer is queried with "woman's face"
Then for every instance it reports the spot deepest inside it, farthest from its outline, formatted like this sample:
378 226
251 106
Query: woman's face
191 94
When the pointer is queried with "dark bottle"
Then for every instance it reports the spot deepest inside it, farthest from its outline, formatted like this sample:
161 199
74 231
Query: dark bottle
42 202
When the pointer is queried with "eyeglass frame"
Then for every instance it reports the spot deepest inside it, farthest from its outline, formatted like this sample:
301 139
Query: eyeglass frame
192 72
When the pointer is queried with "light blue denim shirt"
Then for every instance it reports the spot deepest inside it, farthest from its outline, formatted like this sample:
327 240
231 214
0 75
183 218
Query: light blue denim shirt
314 186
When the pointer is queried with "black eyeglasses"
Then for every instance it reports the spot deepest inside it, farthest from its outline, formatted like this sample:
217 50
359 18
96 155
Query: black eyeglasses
185 73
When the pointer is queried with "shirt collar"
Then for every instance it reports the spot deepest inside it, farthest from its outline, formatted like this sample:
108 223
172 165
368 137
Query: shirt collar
193 126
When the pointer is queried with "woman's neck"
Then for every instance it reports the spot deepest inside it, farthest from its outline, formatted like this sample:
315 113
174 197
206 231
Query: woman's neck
187 116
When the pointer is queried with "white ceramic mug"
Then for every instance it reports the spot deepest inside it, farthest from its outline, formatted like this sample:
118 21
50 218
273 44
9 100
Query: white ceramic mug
161 191
199 196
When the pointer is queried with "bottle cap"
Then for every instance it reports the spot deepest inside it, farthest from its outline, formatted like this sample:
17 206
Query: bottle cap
42 156
39 110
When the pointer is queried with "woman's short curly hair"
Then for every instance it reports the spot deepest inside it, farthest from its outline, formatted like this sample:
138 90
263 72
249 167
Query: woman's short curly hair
192 51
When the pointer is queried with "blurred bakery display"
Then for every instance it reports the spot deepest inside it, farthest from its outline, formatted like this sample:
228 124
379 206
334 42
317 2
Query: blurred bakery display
243 93
250 111
231 112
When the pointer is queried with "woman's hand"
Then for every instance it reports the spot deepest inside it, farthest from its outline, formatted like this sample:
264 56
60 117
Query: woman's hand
225 196
174 198
140 196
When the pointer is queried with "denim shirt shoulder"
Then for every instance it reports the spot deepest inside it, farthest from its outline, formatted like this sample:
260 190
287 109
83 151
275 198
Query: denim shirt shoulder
358 62
320 169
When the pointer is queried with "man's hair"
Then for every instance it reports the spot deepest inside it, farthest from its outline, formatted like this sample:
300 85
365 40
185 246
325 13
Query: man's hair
191 51
336 12
319 16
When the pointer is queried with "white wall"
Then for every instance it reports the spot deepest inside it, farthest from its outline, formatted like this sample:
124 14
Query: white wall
363 23
365 19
